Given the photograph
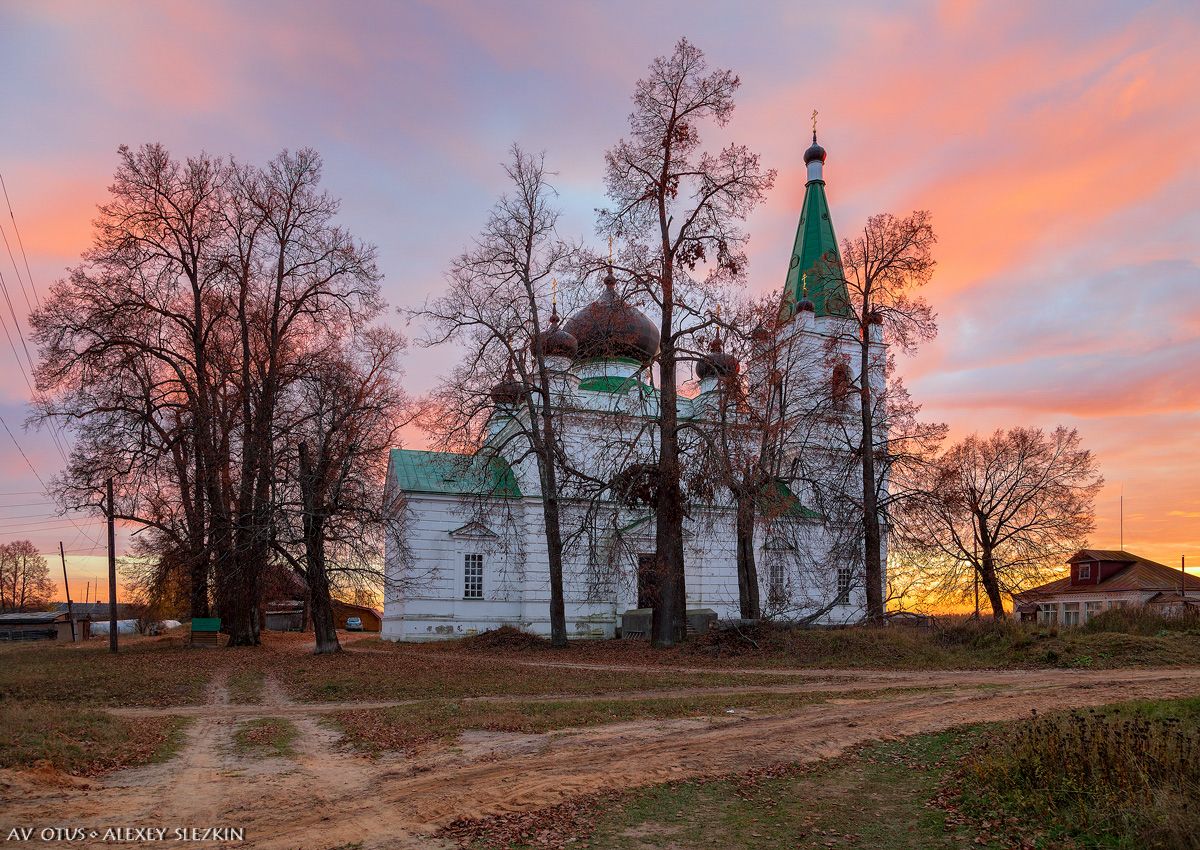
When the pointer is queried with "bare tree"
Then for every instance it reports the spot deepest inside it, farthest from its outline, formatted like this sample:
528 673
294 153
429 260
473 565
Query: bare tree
24 577
882 268
344 412
496 305
678 211
764 394
1008 508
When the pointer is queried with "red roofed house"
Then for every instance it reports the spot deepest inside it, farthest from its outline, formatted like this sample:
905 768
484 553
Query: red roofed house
1101 579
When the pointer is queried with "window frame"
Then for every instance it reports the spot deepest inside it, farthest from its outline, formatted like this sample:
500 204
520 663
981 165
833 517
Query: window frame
472 585
1071 614
845 580
1085 572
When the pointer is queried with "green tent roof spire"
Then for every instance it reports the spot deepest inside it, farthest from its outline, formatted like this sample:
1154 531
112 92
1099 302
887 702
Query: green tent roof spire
816 259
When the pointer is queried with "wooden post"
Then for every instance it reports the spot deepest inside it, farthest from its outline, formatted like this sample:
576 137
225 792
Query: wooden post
67 590
112 573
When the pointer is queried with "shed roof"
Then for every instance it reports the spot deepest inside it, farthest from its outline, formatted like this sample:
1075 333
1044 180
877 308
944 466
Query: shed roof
30 618
451 473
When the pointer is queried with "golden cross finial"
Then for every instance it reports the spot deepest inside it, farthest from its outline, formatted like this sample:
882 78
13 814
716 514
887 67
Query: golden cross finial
554 291
814 117
610 250
804 284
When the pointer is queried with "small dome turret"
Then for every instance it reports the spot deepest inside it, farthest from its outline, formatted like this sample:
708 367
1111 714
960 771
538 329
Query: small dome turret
717 364
509 391
555 341
610 328
815 151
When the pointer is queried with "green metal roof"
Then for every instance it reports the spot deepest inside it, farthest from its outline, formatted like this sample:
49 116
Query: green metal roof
614 384
816 247
778 500
453 474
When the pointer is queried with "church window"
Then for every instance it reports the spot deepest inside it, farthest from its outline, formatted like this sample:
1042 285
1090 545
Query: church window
777 589
473 575
843 585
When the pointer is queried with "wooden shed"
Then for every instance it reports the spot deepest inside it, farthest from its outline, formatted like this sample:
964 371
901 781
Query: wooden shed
41 625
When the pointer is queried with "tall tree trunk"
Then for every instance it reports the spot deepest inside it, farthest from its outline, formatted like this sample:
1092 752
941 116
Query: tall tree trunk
872 533
747 569
550 514
324 627
987 571
315 574
669 623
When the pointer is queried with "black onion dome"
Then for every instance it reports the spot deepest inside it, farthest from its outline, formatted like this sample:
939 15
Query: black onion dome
508 391
608 328
805 306
717 363
814 152
556 342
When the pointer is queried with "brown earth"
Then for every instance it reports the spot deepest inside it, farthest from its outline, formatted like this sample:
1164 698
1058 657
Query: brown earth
327 797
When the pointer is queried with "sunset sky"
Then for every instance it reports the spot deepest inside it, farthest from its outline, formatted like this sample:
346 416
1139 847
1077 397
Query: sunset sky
1057 146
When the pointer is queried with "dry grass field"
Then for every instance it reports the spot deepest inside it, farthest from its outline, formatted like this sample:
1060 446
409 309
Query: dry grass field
769 739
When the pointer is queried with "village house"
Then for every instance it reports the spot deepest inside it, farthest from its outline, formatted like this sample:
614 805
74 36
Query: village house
1106 578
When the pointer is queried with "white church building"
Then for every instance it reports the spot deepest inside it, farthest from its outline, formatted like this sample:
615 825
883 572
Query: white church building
474 554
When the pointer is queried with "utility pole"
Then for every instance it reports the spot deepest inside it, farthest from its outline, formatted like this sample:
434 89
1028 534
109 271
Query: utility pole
975 563
67 590
112 573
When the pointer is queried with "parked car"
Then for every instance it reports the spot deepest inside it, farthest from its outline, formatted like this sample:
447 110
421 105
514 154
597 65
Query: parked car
354 624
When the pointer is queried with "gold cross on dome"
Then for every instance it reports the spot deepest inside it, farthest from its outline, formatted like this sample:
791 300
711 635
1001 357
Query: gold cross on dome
804 284
814 118
610 250
554 291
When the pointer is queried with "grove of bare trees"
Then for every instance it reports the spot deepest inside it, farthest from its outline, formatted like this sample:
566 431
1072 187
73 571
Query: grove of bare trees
25 583
196 353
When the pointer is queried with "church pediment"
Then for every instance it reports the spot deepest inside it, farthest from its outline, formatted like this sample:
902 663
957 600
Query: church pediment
474 531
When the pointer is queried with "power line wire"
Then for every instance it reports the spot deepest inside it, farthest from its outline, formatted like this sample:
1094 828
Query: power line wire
20 241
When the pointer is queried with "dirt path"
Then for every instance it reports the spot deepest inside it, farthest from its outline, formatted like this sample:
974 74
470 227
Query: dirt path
327 798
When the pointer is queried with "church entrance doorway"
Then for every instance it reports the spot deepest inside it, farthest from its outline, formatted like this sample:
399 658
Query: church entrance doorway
647 581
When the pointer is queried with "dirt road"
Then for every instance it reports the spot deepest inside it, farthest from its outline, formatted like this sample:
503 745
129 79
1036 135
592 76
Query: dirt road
325 797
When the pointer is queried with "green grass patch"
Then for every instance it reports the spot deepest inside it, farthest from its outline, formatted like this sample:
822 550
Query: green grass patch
146 673
83 742
956 644
876 796
246 686
1123 776
265 737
